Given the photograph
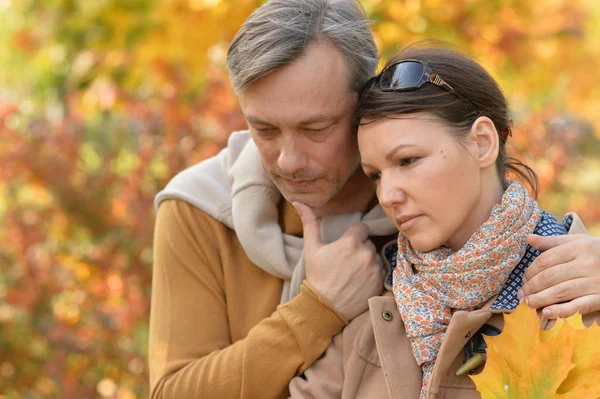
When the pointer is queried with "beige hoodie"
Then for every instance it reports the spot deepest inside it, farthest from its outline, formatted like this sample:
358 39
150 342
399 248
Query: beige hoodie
234 189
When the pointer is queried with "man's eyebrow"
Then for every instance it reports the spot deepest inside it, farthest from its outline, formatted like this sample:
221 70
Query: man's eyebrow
390 155
256 120
317 119
308 121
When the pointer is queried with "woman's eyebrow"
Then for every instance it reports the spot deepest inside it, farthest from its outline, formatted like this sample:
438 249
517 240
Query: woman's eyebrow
390 155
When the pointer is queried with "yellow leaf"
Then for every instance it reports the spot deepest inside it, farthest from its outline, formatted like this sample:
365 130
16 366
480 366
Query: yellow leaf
580 393
521 335
547 335
576 321
585 377
526 362
497 378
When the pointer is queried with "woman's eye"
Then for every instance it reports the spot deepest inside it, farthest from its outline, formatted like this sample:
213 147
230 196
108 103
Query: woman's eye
407 161
375 176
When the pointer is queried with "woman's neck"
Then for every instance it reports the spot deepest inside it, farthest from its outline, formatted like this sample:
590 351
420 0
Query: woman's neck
491 194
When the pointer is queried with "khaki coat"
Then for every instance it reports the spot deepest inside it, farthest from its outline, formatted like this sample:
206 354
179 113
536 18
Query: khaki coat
372 358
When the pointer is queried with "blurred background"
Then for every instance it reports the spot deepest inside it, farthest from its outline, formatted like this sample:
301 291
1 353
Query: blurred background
103 101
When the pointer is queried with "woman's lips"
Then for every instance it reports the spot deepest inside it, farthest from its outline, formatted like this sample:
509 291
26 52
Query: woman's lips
406 223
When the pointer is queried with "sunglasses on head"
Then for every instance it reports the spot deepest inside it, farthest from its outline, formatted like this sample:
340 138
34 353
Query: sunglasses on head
408 75
411 74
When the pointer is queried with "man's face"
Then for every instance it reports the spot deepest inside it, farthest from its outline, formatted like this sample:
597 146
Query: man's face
300 118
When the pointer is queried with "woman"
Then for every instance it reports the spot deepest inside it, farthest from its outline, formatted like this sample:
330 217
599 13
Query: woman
432 133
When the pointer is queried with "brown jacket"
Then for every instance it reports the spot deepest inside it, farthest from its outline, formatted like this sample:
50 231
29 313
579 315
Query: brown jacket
372 357
217 329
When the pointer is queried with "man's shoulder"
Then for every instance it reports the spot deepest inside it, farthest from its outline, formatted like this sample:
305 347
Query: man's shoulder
206 185
179 214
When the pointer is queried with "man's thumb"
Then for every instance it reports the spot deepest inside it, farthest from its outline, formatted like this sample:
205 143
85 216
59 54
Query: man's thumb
310 225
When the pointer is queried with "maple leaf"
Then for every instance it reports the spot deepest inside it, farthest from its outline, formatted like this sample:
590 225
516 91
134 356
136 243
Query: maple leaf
527 362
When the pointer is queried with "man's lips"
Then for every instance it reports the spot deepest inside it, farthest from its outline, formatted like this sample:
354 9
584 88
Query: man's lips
299 184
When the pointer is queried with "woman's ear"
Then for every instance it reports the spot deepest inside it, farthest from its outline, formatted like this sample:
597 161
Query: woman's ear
484 133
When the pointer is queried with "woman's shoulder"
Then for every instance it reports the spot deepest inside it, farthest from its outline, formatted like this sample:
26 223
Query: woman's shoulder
547 226
550 226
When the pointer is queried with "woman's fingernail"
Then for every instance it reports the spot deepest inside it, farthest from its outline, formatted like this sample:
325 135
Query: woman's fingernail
520 294
527 301
524 279
547 312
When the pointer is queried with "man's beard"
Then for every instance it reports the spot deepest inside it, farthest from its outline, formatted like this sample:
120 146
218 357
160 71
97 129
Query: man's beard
323 196
303 175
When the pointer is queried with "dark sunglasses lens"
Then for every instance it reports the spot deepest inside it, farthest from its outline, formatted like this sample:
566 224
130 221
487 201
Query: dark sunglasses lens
405 75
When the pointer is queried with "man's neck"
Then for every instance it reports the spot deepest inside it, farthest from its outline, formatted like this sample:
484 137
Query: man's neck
356 196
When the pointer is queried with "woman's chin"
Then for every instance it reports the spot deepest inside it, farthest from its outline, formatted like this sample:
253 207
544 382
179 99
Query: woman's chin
423 245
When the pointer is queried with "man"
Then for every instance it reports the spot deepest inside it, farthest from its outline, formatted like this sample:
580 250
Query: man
237 308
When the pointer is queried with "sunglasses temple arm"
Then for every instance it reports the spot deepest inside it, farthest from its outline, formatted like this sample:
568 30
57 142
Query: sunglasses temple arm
436 80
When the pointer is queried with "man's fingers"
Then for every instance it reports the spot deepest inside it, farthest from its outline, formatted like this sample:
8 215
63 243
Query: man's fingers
563 292
378 261
369 244
584 305
358 231
552 257
310 226
549 276
565 278
542 243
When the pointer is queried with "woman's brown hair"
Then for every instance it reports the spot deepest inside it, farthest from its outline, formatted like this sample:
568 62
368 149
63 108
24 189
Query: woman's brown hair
475 94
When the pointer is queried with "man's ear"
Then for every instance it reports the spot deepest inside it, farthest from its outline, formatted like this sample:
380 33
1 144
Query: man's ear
484 134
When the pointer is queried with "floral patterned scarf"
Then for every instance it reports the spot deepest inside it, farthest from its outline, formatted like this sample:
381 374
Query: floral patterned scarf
446 280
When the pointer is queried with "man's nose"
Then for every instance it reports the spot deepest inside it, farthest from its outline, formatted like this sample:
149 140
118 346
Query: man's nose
292 158
390 191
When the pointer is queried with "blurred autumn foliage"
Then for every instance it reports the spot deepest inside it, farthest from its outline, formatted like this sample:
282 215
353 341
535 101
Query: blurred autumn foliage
101 102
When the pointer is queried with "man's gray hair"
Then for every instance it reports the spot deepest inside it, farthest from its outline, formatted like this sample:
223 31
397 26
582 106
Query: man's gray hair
279 31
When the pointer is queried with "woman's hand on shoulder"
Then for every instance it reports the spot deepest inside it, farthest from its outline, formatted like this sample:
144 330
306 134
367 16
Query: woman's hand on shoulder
565 278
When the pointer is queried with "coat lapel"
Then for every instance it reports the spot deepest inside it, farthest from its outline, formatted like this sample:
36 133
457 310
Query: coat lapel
462 327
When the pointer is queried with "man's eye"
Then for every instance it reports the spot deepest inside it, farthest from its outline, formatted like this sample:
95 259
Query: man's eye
266 132
312 129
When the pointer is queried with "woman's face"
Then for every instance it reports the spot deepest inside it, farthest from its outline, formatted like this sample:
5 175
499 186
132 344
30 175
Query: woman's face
427 182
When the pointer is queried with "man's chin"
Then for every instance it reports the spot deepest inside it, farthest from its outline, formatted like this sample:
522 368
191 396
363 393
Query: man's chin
307 199
313 200
315 193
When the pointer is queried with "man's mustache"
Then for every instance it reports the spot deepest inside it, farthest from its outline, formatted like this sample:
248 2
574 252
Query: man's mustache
302 175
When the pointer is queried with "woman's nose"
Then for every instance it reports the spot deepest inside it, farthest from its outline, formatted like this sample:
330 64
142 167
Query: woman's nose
390 191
